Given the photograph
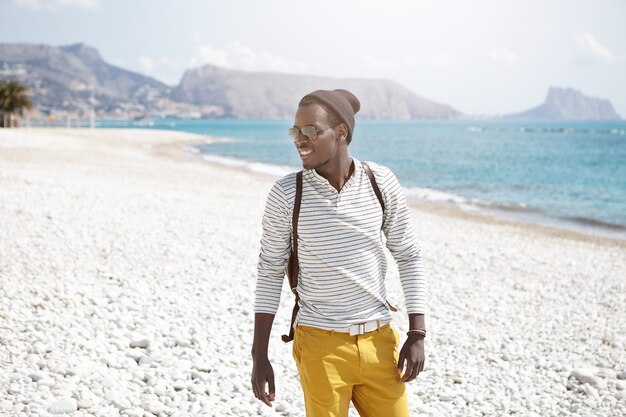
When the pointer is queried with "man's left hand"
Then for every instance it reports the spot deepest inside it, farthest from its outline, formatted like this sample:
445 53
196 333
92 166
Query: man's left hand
413 354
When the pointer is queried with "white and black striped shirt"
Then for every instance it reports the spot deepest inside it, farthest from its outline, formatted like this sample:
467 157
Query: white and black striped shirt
340 248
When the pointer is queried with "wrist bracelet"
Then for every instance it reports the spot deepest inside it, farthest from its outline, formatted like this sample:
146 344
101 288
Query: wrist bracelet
417 331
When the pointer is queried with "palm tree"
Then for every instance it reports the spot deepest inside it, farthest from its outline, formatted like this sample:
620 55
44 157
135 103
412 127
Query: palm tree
13 99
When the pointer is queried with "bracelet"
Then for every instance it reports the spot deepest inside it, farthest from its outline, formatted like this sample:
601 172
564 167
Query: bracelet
421 332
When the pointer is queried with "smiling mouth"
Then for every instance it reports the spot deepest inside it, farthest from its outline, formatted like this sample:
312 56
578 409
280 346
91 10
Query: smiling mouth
304 152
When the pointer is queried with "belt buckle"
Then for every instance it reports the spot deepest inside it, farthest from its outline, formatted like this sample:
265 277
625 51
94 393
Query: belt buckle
357 329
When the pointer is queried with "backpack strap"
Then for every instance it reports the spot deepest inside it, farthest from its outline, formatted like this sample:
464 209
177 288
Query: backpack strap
370 175
379 195
293 267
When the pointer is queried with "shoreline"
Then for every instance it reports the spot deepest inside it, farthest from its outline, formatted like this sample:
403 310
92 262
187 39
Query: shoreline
481 214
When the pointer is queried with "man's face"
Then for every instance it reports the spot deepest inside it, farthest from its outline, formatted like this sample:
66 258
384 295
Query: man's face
315 153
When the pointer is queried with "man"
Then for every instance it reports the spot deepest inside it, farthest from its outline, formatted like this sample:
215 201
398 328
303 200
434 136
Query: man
344 347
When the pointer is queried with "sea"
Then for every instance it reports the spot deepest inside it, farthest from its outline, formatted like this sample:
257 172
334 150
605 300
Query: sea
568 175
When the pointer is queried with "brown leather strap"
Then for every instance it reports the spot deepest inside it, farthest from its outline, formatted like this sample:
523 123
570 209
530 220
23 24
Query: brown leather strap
293 267
370 175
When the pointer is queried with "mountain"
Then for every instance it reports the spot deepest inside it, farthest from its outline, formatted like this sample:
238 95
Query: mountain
62 80
569 104
264 95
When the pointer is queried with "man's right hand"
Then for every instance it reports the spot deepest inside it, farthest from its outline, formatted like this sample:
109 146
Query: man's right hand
262 373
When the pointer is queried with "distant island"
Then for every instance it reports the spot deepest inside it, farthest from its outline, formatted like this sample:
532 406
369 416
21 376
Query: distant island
74 80
569 104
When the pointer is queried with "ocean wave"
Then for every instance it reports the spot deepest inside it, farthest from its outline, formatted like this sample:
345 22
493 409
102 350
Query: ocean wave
218 139
260 167
466 203
519 212
430 194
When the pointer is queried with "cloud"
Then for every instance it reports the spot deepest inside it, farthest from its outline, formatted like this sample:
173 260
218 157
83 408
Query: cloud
438 60
239 56
504 56
55 4
146 65
590 51
206 54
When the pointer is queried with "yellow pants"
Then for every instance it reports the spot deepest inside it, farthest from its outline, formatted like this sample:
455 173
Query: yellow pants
336 368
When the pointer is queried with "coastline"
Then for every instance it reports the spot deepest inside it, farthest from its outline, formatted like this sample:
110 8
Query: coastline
128 267
440 208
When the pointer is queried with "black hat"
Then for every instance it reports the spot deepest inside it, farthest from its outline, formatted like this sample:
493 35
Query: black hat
343 102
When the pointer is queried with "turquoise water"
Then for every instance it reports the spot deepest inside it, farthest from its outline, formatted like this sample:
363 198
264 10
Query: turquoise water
569 174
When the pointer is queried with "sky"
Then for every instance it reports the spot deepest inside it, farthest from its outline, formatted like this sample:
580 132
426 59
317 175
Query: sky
481 57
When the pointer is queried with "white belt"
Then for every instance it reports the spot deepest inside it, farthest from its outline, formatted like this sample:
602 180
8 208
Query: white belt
362 328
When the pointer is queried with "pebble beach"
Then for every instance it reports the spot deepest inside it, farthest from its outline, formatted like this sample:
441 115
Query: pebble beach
127 273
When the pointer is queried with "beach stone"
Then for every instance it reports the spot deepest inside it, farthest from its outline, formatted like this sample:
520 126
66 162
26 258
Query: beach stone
135 354
586 376
107 381
117 399
590 391
182 342
154 407
620 395
620 385
606 373
37 376
202 366
140 342
446 397
146 360
84 403
64 406
622 374
161 388
78 370
6 405
48 382
39 348
179 385
133 412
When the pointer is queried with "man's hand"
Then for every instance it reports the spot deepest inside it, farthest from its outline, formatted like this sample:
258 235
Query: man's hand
262 372
413 354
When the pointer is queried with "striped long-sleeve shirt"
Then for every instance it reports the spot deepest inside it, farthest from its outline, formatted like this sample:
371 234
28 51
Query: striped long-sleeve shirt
340 248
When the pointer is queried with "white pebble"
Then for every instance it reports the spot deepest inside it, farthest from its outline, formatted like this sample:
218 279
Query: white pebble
133 412
140 342
38 375
586 375
64 406
48 382
84 403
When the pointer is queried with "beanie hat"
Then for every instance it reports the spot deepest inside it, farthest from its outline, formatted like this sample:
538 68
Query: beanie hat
343 102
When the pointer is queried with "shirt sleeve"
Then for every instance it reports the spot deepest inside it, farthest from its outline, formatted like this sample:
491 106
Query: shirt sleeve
402 244
274 253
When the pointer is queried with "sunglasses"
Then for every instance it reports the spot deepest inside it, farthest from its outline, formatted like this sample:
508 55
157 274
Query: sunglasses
309 132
